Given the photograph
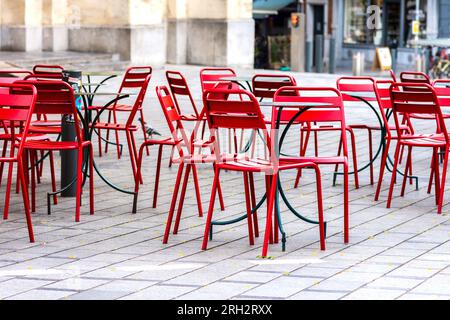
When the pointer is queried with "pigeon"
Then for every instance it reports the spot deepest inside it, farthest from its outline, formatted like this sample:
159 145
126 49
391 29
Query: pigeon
150 131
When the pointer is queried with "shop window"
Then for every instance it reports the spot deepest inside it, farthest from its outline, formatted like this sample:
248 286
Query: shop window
382 22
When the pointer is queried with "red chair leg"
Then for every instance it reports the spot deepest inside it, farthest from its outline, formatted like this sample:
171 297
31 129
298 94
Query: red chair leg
134 153
270 207
137 181
158 172
336 167
320 207
444 176
355 161
117 137
182 197
171 156
211 208
394 170
144 132
99 142
107 132
430 181
249 209
26 201
91 179
370 155
197 191
219 191
346 206
405 175
316 143
5 146
437 186
52 173
8 191
78 184
33 181
253 196
132 157
172 205
382 168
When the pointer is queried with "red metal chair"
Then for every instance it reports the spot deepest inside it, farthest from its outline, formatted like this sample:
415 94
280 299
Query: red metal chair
17 102
381 88
57 98
135 79
421 101
330 115
243 112
187 156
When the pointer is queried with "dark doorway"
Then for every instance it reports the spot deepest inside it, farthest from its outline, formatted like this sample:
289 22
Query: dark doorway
318 26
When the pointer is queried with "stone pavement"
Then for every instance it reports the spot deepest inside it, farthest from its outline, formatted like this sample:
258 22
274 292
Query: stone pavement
397 253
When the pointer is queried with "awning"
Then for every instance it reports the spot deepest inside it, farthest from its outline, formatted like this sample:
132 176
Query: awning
262 8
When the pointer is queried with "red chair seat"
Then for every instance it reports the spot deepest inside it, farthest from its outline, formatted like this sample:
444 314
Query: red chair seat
423 140
53 145
427 116
262 165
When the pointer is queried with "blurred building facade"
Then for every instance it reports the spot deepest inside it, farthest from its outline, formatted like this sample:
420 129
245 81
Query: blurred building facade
212 32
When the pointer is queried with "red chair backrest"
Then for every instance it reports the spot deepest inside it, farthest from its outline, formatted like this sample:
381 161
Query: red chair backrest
232 109
265 85
414 77
331 111
422 101
442 89
179 87
48 69
55 98
135 77
210 76
17 103
349 85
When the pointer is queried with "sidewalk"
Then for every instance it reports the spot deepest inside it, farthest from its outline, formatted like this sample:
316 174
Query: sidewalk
397 253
